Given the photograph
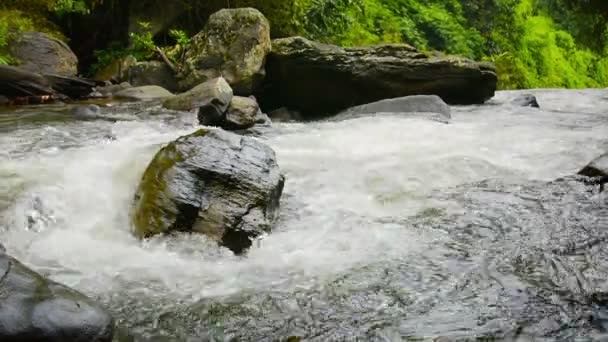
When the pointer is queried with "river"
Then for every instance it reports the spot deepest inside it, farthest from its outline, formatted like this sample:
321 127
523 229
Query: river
391 227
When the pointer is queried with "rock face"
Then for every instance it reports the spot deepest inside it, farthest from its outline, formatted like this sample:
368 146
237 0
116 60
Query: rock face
152 73
212 182
525 100
233 44
143 93
40 53
430 104
597 168
33 308
319 79
215 94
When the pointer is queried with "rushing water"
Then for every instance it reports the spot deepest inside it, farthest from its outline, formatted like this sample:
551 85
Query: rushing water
391 227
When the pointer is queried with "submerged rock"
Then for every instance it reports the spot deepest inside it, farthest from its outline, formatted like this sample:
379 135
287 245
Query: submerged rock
211 182
213 96
233 44
33 308
319 79
40 53
597 170
428 104
143 93
87 112
525 100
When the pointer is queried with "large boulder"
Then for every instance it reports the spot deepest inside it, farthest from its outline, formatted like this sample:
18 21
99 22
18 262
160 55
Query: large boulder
233 44
33 308
214 94
319 79
152 73
211 182
427 105
143 93
242 113
40 53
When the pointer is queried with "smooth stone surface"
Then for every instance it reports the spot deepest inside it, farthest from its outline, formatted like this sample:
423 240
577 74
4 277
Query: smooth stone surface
33 308
212 182
143 93
234 45
213 96
525 100
40 53
320 80
410 105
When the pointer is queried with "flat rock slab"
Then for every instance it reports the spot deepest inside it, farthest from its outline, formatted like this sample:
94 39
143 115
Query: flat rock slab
430 106
321 80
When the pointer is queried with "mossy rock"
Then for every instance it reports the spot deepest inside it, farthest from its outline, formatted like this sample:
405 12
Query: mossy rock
233 44
211 182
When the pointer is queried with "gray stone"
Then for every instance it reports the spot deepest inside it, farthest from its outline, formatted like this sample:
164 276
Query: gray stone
284 114
321 80
242 113
597 168
33 308
152 73
525 100
211 182
233 44
86 112
213 96
40 53
143 93
431 106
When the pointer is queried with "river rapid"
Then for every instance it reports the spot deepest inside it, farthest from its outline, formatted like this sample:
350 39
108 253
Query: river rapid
392 227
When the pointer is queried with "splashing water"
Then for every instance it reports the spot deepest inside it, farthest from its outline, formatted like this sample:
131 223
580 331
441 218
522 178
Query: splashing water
391 227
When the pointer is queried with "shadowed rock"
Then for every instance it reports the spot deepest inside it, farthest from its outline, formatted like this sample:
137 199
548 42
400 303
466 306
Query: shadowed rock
211 182
33 308
319 79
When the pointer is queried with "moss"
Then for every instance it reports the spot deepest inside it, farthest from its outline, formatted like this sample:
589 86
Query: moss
153 210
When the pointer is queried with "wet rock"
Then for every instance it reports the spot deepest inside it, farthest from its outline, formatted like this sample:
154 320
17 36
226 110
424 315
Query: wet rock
283 114
143 93
87 112
152 73
211 182
233 44
213 97
3 100
597 168
40 53
319 79
597 171
525 100
428 104
33 308
16 82
242 113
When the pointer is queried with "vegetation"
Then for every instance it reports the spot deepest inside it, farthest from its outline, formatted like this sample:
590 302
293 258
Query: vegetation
534 43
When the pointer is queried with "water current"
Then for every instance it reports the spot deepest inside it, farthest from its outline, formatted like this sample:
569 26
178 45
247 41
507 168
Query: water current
392 227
